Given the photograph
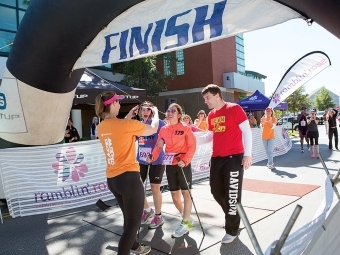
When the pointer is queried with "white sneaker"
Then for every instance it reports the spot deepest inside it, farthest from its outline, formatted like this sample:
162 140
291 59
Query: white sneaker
228 238
181 230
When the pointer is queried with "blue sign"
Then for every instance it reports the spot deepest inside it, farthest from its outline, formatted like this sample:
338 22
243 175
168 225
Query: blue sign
2 101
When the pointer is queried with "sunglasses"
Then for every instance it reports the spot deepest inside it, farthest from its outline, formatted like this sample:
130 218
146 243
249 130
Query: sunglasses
171 110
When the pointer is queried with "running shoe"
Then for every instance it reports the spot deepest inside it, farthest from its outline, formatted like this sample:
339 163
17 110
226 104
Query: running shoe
228 238
308 148
271 167
302 150
147 215
190 223
141 250
156 222
181 230
312 155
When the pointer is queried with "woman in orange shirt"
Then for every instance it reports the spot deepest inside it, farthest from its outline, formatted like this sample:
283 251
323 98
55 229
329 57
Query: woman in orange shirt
201 122
179 140
118 137
268 124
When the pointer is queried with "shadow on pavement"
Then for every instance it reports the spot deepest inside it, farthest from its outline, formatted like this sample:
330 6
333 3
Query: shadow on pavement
283 173
235 248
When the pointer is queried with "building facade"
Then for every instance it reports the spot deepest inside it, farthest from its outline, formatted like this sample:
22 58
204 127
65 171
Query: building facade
220 62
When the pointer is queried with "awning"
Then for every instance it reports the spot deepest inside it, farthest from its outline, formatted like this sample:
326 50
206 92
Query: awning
91 86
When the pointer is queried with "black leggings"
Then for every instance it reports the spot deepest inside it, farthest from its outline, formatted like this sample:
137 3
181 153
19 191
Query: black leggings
129 193
313 137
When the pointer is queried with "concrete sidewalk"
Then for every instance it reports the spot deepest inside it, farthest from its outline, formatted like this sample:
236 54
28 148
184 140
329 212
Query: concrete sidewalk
87 230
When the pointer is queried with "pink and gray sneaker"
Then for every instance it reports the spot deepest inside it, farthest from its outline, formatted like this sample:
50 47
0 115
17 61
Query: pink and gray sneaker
147 215
156 222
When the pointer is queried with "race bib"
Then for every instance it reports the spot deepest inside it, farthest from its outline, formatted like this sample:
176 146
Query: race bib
144 153
303 123
168 158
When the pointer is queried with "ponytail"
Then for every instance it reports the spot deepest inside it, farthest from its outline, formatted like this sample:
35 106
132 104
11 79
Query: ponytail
99 107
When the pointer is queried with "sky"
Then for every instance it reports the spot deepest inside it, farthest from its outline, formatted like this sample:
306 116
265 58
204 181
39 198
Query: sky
271 51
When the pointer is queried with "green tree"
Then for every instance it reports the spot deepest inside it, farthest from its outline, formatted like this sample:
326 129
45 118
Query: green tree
297 100
142 73
241 96
323 100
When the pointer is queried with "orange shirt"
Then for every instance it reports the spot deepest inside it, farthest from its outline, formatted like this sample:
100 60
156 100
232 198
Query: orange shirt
118 137
179 139
203 125
267 131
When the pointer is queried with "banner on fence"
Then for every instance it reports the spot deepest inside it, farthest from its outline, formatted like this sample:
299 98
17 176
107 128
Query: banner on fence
52 178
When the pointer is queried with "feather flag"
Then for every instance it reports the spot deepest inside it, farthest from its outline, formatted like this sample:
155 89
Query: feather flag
302 71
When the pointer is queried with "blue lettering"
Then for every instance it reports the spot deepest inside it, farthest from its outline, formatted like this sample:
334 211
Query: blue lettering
136 36
156 37
122 44
181 31
108 48
2 101
215 21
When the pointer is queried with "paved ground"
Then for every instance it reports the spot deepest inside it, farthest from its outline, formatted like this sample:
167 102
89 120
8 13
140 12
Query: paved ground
87 230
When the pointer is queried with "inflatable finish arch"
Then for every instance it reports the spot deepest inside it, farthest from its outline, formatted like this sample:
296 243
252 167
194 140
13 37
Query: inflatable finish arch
57 39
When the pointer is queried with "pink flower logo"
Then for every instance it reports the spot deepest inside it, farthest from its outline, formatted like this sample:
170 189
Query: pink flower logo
276 98
70 164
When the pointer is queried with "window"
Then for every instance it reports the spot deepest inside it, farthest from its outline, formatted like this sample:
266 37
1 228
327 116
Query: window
180 62
240 53
11 14
8 2
6 39
8 19
167 64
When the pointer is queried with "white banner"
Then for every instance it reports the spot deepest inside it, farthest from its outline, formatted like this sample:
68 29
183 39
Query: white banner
64 176
297 241
298 74
159 26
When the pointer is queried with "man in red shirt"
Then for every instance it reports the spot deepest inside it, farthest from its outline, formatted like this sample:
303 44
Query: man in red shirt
232 144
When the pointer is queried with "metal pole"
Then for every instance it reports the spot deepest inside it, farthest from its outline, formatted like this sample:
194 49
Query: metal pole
249 228
198 217
287 230
334 182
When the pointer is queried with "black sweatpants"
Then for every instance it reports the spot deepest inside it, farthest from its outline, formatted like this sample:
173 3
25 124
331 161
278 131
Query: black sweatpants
226 176
129 193
331 132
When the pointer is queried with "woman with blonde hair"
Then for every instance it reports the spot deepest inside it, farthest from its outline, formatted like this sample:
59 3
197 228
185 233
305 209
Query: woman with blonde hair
118 137
201 122
268 124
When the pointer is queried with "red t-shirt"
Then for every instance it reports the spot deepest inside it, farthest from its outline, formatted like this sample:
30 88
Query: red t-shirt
227 139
